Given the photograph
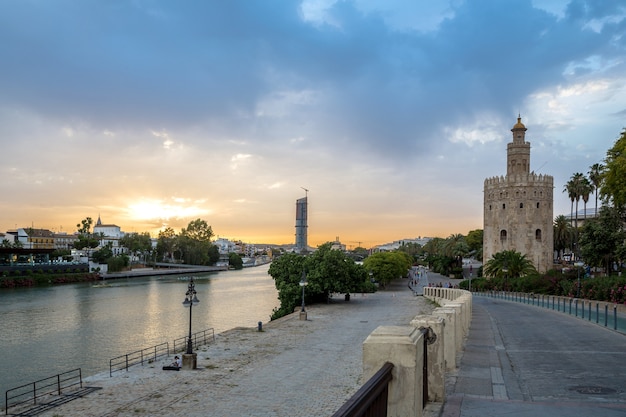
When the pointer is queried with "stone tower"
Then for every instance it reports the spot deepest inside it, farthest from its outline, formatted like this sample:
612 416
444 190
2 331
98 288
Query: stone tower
518 209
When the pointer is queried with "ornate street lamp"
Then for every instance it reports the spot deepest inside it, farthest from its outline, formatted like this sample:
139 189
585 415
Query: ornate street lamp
190 301
303 283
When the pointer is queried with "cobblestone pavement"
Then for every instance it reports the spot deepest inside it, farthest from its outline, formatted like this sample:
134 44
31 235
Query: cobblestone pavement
292 368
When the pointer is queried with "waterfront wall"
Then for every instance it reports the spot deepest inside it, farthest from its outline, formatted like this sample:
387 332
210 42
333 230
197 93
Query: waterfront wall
404 347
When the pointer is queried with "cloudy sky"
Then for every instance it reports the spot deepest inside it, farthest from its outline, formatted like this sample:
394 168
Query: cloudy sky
152 113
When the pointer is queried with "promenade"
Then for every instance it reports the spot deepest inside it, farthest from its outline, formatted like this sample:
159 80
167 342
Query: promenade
293 368
526 361
518 359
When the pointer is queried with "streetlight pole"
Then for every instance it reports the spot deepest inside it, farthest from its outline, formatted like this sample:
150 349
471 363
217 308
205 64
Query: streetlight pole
303 283
190 301
578 264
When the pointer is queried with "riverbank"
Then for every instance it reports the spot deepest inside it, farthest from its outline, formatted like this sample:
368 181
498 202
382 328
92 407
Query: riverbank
145 272
292 368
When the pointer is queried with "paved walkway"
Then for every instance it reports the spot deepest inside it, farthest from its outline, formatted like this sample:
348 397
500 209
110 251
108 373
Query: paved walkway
529 361
293 368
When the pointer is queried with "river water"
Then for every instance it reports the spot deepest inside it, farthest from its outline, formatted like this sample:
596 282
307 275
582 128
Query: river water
46 331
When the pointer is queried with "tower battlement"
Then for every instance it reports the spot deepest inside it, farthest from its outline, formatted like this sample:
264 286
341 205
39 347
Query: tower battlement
530 178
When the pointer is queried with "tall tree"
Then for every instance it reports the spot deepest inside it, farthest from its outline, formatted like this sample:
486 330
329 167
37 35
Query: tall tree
595 176
586 188
575 188
563 234
166 244
602 239
474 240
85 238
613 189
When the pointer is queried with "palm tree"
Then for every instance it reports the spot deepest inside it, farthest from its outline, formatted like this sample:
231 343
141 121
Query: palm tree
508 264
563 234
585 190
596 172
576 189
570 189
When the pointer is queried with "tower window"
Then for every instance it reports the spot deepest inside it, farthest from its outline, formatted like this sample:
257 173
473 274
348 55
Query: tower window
490 207
521 205
538 235
503 205
537 204
503 235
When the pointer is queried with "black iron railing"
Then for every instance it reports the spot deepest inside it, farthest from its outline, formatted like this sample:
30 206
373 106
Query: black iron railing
586 309
200 338
371 398
34 391
139 357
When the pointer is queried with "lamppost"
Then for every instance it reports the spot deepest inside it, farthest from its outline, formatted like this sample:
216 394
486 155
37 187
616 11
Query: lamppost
578 264
303 283
505 271
190 301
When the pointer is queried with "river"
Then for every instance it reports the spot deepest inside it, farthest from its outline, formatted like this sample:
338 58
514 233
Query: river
49 330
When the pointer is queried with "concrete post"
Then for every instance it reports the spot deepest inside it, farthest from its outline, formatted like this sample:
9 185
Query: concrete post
449 335
190 361
403 346
436 371
458 324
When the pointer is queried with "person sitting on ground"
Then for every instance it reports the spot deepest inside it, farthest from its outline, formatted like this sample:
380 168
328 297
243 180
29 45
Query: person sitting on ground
177 362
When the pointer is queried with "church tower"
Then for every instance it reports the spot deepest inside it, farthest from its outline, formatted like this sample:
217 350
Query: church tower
518 207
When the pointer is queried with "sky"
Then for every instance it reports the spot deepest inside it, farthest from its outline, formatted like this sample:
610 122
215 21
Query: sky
389 115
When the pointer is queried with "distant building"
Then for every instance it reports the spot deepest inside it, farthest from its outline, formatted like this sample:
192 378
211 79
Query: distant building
301 225
337 245
64 241
518 208
396 244
32 238
109 233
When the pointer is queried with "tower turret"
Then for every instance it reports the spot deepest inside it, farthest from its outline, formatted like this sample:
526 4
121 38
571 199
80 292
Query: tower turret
518 151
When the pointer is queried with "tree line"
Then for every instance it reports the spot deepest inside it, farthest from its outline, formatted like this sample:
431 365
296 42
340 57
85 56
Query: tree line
192 245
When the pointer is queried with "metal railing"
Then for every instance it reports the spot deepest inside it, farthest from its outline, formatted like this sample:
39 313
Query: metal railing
582 308
32 392
200 338
371 398
139 357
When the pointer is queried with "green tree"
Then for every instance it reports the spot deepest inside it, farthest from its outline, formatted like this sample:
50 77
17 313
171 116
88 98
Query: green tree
235 261
595 173
563 234
287 272
198 230
166 243
387 266
194 242
474 240
613 189
330 271
101 256
602 239
137 243
85 238
508 264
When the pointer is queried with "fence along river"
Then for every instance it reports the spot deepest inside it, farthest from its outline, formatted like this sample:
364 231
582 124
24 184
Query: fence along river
49 330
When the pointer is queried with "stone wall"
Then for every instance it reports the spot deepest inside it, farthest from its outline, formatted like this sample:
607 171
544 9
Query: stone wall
404 347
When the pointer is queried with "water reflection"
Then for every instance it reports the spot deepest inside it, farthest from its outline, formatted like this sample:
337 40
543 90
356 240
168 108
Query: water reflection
44 331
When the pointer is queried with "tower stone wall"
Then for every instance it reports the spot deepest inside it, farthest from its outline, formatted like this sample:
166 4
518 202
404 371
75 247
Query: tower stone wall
518 208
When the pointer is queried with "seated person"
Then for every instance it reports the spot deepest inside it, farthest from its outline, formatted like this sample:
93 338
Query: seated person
178 363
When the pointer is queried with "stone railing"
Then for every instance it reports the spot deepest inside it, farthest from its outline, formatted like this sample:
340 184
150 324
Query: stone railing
404 347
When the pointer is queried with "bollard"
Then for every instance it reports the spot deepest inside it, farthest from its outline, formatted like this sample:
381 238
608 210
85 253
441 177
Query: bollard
260 326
